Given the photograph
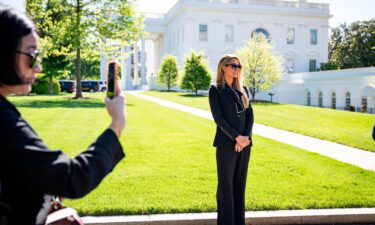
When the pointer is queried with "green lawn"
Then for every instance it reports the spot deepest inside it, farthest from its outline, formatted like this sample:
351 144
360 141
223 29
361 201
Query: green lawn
170 164
348 128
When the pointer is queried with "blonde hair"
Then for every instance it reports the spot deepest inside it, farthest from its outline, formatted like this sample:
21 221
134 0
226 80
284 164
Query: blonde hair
238 82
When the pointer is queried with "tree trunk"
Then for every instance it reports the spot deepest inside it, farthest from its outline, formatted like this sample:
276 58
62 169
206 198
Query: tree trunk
50 85
78 74
169 82
78 53
253 89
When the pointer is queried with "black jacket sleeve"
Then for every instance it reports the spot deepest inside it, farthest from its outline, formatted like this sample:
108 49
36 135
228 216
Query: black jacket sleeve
249 117
218 115
26 158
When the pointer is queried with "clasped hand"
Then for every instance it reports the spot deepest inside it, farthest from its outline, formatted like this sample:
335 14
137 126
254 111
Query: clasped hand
241 142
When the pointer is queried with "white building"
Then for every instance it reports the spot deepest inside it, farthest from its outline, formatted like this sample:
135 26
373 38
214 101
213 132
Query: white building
339 89
299 30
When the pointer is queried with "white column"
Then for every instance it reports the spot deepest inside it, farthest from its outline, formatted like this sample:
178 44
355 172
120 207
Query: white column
371 102
143 63
165 45
122 65
135 66
190 34
103 66
159 46
128 80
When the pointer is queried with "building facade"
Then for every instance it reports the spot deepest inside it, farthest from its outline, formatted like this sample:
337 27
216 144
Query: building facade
298 29
350 89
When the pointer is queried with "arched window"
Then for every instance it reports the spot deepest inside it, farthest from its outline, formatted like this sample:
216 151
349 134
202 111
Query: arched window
308 98
333 100
347 100
261 31
320 99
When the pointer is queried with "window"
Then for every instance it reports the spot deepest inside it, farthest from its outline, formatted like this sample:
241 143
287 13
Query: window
320 99
261 31
347 101
172 40
290 36
178 37
182 34
233 1
333 100
168 40
364 104
308 98
314 37
228 33
203 32
312 65
290 65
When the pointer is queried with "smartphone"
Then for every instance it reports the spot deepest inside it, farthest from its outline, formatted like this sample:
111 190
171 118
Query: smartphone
111 79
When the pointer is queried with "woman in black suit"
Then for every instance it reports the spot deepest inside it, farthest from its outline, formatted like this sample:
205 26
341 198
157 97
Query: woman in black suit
29 171
233 115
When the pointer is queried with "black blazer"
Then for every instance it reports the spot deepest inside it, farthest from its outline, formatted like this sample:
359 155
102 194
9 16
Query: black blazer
230 116
30 172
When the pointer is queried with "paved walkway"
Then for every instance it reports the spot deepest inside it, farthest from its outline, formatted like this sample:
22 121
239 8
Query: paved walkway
354 156
309 216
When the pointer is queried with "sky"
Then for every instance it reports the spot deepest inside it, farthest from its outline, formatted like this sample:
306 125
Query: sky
343 11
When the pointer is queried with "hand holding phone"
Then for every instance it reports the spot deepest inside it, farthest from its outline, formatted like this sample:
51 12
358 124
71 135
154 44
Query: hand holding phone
112 79
115 103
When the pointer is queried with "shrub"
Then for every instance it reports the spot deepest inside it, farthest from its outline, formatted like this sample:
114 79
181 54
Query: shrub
41 85
196 74
168 72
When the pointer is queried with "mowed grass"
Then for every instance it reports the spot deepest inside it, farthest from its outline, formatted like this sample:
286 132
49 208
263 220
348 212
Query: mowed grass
170 163
348 128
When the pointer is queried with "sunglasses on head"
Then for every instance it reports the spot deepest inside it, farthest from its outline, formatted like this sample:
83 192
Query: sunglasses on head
35 60
234 66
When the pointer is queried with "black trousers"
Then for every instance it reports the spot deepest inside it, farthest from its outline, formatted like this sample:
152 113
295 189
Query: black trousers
232 173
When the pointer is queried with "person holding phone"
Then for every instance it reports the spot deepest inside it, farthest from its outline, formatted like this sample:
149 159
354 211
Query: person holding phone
233 115
29 171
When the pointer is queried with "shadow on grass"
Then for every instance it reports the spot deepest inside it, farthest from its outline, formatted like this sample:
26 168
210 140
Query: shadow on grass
167 91
258 103
63 103
60 104
184 94
193 96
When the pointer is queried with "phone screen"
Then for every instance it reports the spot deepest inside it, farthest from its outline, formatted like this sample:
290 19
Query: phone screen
111 80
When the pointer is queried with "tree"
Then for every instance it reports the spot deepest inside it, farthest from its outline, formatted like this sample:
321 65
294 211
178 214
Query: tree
262 67
90 66
168 72
49 19
352 45
85 25
196 74
328 66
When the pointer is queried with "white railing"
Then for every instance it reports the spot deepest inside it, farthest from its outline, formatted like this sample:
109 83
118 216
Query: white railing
314 7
